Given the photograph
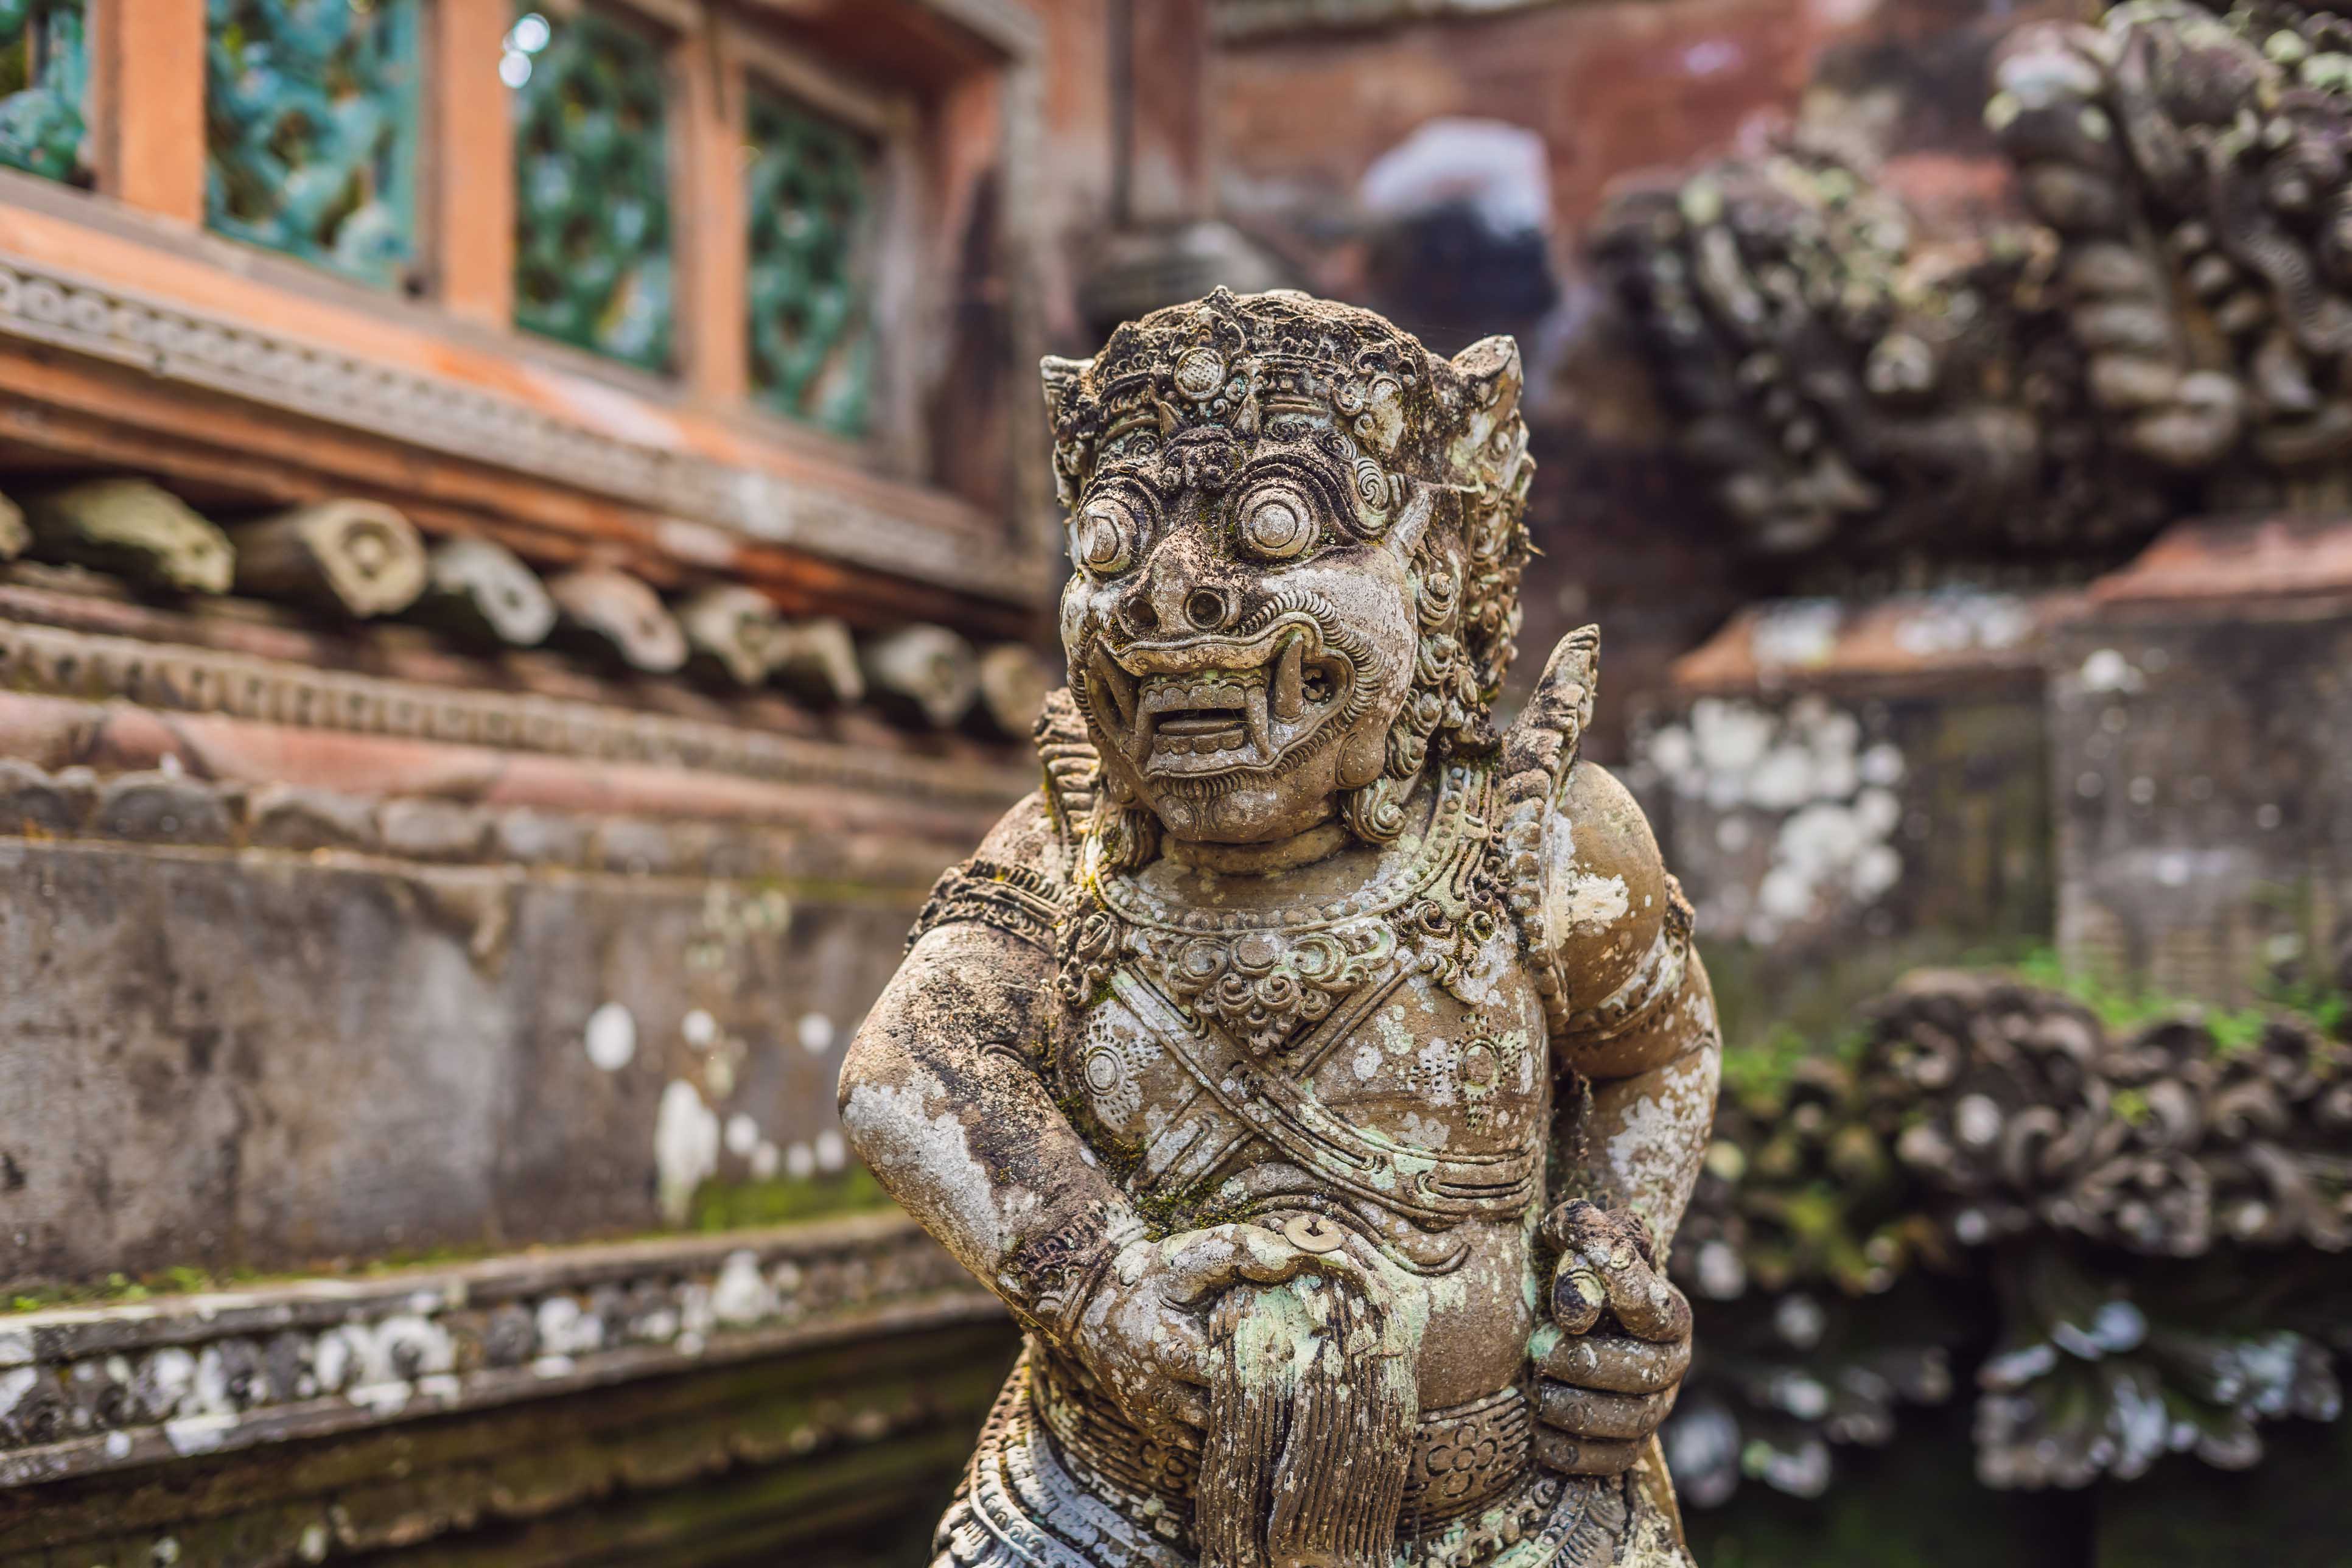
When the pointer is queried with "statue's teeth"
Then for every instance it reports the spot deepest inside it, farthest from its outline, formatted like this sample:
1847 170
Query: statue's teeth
1118 682
1289 680
1261 732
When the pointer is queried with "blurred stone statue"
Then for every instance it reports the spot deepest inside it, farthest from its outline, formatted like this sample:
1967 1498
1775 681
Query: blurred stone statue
1318 1074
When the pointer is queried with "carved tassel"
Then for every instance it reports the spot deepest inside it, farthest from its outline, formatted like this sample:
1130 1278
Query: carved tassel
1311 1417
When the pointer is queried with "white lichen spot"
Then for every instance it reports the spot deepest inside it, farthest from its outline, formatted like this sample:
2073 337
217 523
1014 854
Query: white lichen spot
743 1135
1367 1062
1660 1140
686 1148
197 1434
13 1385
742 1295
612 1037
1795 633
2106 669
928 1150
384 1398
1963 620
1589 900
564 1329
1427 1131
168 1375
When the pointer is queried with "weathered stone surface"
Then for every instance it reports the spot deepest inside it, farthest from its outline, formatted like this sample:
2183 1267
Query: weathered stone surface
533 837
1851 789
798 1453
200 1051
433 829
2202 727
288 816
637 847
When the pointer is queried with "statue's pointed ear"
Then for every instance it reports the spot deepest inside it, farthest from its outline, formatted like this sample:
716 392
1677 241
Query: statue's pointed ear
1491 369
1060 375
1490 373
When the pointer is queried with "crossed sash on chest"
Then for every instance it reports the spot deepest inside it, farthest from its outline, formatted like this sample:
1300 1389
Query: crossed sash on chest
1239 1099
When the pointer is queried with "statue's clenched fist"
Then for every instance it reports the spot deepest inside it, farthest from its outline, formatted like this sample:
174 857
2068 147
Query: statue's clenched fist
1608 1375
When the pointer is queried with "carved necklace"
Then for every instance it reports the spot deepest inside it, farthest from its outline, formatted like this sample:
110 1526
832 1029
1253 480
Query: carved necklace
1267 974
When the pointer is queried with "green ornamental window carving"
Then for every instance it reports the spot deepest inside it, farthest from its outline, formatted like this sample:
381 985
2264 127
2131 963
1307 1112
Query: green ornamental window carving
592 204
810 197
311 126
44 83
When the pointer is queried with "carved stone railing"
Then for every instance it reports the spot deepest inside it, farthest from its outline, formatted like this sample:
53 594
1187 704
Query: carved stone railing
88 1389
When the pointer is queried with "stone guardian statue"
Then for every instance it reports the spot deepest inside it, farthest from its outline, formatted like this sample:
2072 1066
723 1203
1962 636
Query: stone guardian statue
1318 1074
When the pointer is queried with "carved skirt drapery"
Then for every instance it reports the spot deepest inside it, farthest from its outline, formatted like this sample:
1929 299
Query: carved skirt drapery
1061 1481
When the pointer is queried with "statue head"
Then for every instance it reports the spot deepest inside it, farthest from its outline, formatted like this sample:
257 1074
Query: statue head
1298 538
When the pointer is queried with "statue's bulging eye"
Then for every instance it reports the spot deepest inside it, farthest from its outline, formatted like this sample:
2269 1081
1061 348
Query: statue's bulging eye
1103 539
1276 522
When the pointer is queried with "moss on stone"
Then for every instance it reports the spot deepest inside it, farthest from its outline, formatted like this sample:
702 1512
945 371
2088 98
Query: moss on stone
733 1205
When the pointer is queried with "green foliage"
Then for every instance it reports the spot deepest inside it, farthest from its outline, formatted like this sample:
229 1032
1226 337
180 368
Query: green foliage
2122 1007
811 330
310 130
1757 1075
591 185
44 87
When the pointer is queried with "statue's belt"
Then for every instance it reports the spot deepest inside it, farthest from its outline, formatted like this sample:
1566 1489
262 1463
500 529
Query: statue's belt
1263 1100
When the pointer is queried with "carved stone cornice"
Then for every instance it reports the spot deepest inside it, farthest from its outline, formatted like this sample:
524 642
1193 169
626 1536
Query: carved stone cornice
95 1389
90 666
176 343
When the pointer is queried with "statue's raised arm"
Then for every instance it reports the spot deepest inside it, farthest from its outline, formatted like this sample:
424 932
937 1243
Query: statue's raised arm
1317 1074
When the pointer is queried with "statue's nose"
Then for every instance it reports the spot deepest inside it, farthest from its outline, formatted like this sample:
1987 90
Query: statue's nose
1172 594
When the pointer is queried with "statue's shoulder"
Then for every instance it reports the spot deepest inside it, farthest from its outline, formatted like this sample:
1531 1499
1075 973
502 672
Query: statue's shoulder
1582 868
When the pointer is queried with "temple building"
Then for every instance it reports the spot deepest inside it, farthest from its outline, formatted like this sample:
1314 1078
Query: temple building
527 545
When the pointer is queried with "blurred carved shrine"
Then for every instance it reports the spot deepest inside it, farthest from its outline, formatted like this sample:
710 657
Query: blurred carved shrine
530 542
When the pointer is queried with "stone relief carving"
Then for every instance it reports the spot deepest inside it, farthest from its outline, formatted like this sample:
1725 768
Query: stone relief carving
1318 1074
2166 338
1847 381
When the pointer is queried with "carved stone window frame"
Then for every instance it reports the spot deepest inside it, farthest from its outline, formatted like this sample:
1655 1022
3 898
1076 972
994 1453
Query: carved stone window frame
904 301
724 463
